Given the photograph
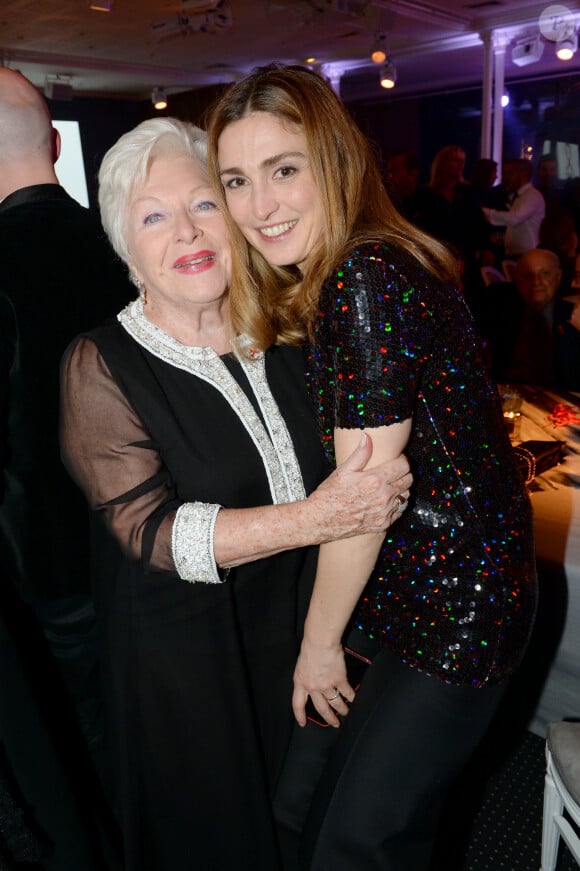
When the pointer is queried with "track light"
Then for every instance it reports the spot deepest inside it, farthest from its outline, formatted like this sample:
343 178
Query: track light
528 51
379 48
388 75
566 48
58 87
159 98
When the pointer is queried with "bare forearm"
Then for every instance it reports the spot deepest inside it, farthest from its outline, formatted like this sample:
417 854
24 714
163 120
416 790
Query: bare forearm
243 535
247 534
512 218
344 568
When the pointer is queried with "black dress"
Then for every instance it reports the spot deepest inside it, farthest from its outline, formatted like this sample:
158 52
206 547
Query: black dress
198 675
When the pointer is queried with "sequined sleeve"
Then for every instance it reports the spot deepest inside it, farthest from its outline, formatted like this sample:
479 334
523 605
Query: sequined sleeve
114 461
363 359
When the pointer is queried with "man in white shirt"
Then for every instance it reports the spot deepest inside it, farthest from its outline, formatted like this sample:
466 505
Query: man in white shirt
526 212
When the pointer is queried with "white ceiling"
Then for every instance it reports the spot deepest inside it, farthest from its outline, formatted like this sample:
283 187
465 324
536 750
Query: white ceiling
119 53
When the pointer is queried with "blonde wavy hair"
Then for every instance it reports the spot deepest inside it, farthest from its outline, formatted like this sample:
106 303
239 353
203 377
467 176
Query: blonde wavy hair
438 165
275 304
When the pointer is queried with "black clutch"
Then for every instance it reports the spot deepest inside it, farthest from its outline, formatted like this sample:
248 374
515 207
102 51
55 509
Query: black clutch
356 666
535 457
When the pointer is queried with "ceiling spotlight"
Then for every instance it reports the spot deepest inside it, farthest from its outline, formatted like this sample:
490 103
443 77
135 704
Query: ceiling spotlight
505 100
388 75
159 98
566 48
379 48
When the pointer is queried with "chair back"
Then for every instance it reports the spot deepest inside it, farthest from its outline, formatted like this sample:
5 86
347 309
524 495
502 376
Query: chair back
561 792
508 268
491 275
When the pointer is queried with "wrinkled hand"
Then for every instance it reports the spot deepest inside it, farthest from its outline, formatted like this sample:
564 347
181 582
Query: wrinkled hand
354 500
319 673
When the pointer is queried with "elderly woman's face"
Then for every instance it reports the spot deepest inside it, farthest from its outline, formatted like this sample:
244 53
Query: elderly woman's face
176 235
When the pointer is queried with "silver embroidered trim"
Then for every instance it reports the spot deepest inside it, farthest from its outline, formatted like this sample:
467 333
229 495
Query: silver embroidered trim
277 451
192 543
279 435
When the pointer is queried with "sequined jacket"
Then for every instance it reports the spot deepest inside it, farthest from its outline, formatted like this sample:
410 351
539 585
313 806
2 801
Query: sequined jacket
454 589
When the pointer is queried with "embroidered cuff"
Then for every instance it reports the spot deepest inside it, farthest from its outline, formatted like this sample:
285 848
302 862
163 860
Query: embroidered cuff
192 543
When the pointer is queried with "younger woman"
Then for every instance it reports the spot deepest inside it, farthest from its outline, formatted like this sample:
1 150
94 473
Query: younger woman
445 601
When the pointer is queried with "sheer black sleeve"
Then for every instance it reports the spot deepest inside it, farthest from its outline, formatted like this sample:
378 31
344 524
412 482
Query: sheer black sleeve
112 458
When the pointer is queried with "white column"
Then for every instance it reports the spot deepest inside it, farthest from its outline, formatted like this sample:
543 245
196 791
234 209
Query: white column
486 115
334 73
499 49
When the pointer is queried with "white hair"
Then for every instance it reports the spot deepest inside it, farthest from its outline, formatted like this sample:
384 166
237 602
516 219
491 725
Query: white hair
125 165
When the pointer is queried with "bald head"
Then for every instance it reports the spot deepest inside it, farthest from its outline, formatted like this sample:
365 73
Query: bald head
29 144
538 276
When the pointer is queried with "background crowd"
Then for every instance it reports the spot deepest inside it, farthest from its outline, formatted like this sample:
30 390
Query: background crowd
531 310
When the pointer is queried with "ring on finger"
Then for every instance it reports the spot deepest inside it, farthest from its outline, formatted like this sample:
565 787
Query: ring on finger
401 503
335 696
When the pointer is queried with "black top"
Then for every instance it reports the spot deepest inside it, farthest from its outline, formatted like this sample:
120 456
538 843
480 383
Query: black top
59 276
199 675
459 223
454 589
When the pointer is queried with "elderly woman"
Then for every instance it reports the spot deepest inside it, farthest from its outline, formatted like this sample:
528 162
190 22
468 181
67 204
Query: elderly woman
162 425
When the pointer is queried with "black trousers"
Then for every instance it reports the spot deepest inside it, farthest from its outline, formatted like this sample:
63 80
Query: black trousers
367 796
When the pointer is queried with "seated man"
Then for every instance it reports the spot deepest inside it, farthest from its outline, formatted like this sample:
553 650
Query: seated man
531 333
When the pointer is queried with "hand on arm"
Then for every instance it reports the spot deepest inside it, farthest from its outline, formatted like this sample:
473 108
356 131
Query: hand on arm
343 571
115 462
354 499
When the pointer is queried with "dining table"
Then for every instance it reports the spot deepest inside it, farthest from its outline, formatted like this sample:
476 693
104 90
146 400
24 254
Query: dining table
547 688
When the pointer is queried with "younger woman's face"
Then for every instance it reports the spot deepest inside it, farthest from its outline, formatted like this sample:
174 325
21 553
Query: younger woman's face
270 188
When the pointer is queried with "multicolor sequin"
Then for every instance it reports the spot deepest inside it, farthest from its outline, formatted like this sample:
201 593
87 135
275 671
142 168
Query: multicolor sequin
454 590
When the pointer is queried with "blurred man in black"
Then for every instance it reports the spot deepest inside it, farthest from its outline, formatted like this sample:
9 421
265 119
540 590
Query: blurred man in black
58 277
402 178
